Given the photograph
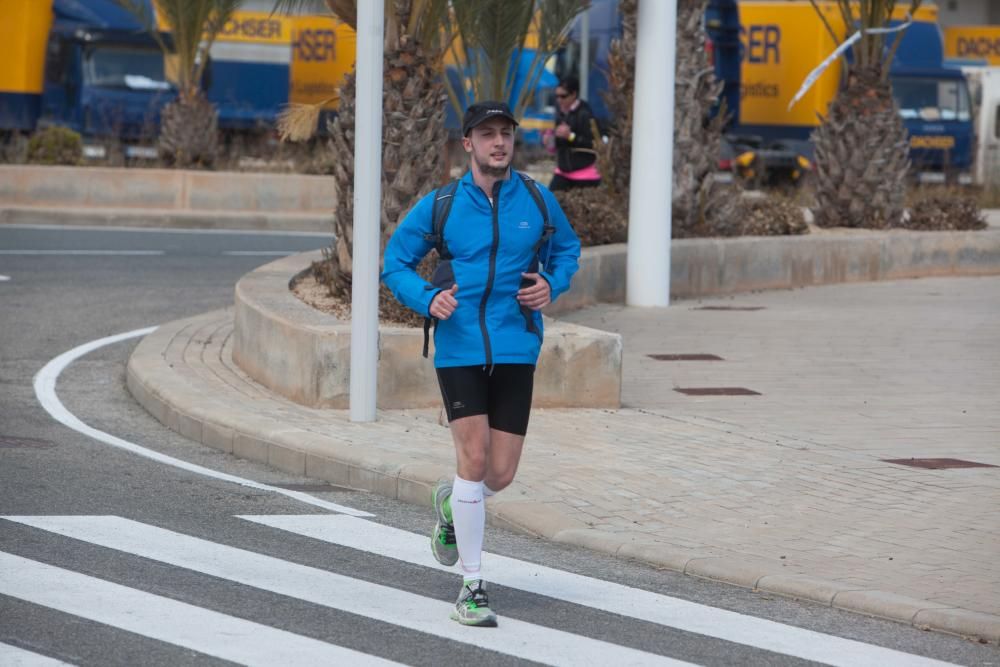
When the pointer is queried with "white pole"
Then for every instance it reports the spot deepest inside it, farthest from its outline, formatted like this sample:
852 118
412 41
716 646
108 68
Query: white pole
585 54
367 212
649 219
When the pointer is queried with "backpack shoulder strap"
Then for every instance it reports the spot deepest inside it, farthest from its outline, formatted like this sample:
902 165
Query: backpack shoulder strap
444 197
547 228
536 194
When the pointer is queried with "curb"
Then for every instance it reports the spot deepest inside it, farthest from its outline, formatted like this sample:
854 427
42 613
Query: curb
320 223
234 427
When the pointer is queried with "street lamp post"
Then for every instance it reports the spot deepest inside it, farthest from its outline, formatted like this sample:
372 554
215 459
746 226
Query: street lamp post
648 262
367 212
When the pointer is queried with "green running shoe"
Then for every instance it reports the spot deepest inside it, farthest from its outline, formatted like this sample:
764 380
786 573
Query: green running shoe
473 607
443 544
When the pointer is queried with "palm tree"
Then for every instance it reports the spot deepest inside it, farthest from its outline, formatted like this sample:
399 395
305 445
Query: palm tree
493 37
861 146
413 132
189 125
616 170
698 200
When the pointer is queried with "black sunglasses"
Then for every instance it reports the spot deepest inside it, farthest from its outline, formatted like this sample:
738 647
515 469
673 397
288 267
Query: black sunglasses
563 95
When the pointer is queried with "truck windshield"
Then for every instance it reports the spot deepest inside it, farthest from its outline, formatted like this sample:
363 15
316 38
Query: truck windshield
932 99
120 67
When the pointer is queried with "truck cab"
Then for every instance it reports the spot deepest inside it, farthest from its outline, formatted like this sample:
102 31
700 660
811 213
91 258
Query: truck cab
937 113
104 76
89 66
934 103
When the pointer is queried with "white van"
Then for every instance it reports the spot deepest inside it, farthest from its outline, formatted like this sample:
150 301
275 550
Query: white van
984 87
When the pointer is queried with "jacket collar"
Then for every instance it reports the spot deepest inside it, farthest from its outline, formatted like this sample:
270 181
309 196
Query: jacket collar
467 179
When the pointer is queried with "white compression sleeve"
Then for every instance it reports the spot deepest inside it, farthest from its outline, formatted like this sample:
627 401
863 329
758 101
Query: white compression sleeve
468 512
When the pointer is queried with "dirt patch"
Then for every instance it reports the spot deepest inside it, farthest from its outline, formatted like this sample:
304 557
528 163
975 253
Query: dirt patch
315 294
311 291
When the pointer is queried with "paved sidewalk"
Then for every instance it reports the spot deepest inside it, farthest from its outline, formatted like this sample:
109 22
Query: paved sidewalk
784 491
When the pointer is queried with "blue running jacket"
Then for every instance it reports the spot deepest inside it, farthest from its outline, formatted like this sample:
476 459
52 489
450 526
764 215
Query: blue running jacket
491 245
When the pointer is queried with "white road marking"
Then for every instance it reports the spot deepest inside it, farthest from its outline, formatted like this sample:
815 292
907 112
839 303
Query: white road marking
45 391
605 595
260 253
4 278
167 620
383 603
165 230
101 253
12 656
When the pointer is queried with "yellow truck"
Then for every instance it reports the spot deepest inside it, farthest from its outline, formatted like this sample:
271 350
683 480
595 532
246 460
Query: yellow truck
980 43
93 68
782 42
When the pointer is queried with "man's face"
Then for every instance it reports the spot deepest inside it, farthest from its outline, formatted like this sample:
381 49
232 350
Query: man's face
491 146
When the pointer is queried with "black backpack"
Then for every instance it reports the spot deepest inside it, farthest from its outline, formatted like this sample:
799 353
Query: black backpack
444 276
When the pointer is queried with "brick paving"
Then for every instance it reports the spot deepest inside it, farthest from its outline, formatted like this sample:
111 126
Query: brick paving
791 480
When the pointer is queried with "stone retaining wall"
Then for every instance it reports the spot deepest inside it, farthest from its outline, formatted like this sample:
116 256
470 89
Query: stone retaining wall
232 192
304 355
716 267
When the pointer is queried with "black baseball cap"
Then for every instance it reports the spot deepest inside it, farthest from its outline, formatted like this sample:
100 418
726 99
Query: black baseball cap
481 111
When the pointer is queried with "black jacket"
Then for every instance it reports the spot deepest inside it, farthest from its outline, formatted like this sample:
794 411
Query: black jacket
579 152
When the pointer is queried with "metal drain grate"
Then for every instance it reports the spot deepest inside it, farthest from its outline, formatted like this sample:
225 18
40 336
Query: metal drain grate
685 357
312 488
12 442
938 464
729 308
717 391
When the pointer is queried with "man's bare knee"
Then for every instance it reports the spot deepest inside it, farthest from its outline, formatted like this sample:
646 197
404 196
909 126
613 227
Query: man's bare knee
471 436
499 481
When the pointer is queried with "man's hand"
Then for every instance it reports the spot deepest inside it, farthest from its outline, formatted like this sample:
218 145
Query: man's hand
535 296
444 303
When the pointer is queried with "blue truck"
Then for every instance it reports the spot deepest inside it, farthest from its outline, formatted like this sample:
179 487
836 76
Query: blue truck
89 66
93 67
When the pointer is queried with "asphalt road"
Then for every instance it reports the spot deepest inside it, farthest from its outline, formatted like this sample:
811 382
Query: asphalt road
109 558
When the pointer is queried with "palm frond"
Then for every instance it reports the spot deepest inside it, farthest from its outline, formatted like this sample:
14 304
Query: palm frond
299 122
146 18
345 10
490 31
494 35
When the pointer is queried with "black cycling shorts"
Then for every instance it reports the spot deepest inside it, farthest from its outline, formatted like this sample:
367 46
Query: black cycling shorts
503 393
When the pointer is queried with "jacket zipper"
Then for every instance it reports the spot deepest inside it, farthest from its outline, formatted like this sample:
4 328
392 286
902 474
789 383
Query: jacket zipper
495 206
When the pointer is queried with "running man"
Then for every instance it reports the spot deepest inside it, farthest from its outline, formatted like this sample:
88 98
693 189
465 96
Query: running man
507 251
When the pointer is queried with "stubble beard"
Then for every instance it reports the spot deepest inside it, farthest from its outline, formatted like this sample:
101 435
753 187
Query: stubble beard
486 169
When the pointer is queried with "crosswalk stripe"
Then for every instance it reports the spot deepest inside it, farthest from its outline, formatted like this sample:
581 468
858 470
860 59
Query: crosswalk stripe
166 620
12 656
382 603
605 595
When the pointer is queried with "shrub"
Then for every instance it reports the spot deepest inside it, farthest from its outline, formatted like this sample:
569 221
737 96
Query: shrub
55 145
942 210
596 216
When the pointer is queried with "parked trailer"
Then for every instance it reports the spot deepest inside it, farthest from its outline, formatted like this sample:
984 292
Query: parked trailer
87 66
94 68
782 42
